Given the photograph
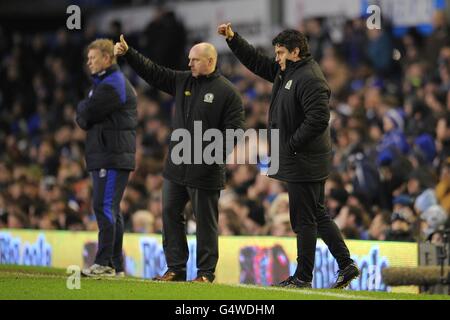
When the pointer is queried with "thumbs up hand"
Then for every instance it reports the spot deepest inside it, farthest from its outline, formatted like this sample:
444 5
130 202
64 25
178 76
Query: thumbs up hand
120 48
226 31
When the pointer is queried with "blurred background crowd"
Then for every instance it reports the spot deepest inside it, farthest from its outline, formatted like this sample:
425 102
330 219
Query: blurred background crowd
390 120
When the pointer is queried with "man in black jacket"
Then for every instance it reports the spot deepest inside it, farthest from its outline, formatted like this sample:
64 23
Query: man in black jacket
299 109
202 96
109 116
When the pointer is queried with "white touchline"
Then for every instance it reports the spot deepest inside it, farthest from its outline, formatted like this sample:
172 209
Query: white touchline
312 292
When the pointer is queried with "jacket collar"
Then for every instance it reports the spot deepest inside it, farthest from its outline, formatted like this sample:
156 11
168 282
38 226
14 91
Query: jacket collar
103 74
212 75
292 65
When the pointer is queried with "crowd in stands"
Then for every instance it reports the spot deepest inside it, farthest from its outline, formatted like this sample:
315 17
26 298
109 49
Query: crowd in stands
390 125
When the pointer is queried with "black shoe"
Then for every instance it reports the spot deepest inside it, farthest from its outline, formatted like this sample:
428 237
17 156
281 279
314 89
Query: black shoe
346 276
171 276
294 282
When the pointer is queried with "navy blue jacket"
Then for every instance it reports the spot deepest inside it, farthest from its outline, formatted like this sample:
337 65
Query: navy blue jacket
109 115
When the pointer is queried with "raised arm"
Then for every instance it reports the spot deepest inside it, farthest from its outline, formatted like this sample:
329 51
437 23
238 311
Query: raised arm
255 61
160 77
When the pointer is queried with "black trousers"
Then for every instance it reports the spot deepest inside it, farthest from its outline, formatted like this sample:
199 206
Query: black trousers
309 218
109 186
205 206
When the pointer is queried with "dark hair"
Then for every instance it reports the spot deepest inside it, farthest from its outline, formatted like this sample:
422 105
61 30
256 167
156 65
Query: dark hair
291 39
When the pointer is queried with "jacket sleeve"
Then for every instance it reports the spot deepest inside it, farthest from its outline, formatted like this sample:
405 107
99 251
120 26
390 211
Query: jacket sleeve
256 62
82 123
233 117
314 97
103 102
160 77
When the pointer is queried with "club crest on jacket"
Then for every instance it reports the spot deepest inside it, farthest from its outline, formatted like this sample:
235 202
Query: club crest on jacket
288 85
209 97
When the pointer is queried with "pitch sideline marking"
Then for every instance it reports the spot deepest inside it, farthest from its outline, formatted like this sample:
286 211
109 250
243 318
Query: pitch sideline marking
312 292
294 291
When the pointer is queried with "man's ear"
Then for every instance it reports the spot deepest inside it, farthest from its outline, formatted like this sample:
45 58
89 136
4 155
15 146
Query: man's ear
296 51
106 58
109 59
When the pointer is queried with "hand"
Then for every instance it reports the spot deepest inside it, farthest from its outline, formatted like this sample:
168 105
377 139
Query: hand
120 48
226 31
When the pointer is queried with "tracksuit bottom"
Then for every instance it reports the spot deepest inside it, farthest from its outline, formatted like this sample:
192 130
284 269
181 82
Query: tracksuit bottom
109 186
205 206
310 218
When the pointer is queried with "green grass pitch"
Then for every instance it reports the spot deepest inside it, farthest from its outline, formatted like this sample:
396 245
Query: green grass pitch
29 283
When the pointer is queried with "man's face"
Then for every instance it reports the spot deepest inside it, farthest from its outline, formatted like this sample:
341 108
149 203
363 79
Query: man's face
199 64
97 61
282 54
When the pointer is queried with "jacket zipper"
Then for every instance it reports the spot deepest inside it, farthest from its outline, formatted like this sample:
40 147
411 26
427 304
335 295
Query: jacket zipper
194 89
272 106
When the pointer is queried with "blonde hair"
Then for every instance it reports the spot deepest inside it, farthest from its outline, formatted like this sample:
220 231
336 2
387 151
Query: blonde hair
106 46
